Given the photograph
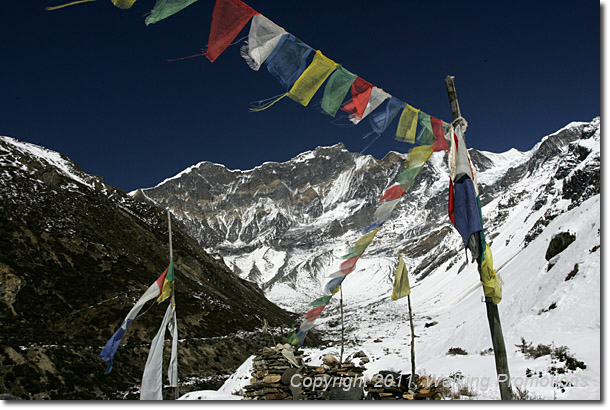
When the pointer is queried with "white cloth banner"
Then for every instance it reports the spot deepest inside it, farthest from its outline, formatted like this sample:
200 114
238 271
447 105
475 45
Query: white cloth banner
262 39
152 379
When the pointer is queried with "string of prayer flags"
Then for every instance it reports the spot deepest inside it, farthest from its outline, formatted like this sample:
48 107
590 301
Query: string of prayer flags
228 19
337 87
312 78
152 378
49 8
166 8
361 93
288 60
381 119
407 125
123 4
377 97
109 350
263 37
401 281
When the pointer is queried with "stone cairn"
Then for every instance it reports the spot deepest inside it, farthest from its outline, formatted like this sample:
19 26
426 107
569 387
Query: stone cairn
274 368
387 385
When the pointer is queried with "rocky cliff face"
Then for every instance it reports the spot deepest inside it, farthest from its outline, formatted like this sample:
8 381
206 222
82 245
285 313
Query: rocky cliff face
75 254
285 225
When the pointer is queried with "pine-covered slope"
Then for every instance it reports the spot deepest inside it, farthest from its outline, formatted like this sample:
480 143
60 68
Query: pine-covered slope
75 254
287 225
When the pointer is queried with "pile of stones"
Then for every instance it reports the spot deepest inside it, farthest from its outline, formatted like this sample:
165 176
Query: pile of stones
388 385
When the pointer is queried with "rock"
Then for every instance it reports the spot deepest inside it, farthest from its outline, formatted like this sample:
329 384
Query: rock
558 244
272 378
330 360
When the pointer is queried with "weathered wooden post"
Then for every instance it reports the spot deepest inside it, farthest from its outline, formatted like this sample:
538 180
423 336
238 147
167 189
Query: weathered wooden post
412 339
493 317
342 329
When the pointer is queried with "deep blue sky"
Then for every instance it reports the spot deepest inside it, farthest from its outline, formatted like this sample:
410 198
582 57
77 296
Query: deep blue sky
92 81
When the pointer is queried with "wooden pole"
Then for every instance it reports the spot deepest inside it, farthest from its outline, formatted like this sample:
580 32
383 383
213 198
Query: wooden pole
493 317
342 328
412 340
173 300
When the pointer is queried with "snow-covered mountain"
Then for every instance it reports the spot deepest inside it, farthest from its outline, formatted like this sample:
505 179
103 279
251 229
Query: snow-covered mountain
287 225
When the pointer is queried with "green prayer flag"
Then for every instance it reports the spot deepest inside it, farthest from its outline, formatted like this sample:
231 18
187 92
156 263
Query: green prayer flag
321 301
166 8
426 135
336 89
401 281
406 178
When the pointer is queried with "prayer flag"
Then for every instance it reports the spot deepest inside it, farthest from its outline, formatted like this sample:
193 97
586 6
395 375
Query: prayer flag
314 313
406 178
263 38
166 8
109 350
168 283
172 371
228 18
467 219
321 301
377 97
312 78
381 119
393 193
152 379
361 93
407 125
334 285
492 285
384 210
336 89
418 156
349 265
439 136
288 60
361 244
123 4
401 281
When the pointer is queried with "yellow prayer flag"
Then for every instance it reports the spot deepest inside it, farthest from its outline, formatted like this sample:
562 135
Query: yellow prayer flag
312 78
123 4
407 125
490 280
418 156
401 281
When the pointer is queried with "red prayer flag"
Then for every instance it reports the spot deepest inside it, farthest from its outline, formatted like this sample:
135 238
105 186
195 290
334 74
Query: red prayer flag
228 19
349 265
314 313
393 193
451 205
361 93
437 130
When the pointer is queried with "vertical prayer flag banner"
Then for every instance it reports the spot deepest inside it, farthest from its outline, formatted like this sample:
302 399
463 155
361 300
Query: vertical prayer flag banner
263 38
109 350
312 78
337 87
361 93
123 4
465 209
489 278
166 8
228 19
152 378
288 60
380 120
401 281
407 125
